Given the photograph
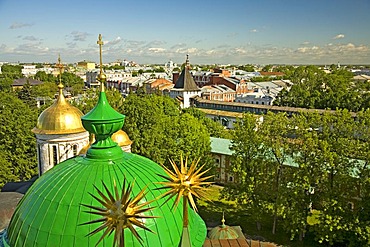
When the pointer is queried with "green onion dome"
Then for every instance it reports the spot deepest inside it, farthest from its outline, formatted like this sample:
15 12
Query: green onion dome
223 231
53 211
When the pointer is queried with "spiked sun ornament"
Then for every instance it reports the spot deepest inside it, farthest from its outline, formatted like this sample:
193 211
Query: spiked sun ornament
119 212
185 183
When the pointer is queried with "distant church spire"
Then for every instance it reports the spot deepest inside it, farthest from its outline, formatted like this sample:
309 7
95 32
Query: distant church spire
187 63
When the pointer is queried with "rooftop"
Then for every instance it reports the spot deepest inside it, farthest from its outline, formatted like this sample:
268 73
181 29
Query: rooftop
221 146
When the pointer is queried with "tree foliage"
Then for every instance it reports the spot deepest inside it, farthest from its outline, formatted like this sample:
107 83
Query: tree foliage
313 88
17 142
160 131
309 165
11 71
215 129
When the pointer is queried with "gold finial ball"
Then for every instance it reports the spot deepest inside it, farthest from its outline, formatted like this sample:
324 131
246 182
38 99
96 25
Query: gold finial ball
102 77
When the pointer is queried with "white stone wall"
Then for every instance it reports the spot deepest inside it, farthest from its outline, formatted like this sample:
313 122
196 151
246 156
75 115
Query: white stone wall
67 146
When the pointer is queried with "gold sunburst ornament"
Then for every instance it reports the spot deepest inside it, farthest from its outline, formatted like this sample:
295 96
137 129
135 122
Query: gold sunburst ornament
119 212
185 183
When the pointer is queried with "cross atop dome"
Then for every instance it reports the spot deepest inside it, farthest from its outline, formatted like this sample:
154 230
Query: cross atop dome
101 77
103 121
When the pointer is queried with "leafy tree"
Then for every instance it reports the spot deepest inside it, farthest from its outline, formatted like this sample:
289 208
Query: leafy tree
275 131
114 67
17 142
314 89
161 132
159 70
5 83
300 191
11 71
90 97
26 95
248 68
43 76
310 172
267 68
6 172
247 163
46 89
74 82
214 128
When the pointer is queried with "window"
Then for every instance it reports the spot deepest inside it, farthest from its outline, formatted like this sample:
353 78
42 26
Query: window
75 148
55 155
217 161
39 157
231 178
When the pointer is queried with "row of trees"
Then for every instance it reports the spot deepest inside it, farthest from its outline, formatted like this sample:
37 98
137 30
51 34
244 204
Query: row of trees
309 172
313 88
160 130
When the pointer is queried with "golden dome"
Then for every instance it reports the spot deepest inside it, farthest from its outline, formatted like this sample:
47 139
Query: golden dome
59 118
121 138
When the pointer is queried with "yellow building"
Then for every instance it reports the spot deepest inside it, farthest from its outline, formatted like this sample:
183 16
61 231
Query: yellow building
86 65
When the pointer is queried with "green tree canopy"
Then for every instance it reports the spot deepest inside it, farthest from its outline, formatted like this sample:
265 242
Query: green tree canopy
308 166
11 71
313 88
17 142
160 131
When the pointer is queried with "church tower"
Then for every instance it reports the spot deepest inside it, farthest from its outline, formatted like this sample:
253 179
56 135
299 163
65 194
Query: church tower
185 87
59 132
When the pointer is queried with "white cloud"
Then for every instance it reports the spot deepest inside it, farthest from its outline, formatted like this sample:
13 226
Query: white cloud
339 36
17 25
253 30
178 45
31 48
157 50
79 36
30 38
113 42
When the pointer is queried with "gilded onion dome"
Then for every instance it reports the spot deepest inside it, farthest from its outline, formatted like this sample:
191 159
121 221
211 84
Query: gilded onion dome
59 118
121 138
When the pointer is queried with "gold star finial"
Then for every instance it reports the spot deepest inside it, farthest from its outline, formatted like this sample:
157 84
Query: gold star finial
119 211
102 76
185 183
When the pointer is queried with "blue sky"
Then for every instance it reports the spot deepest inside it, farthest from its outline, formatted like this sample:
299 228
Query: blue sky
210 31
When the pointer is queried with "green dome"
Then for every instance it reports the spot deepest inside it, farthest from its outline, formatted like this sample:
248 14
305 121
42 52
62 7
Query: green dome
223 232
50 213
54 209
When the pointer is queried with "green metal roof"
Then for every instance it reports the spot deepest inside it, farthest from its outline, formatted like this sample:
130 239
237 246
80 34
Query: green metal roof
223 232
221 146
51 212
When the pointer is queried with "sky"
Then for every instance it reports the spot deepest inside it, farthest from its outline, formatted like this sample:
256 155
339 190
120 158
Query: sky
210 31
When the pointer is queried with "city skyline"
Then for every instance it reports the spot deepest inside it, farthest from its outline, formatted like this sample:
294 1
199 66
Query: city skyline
233 32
